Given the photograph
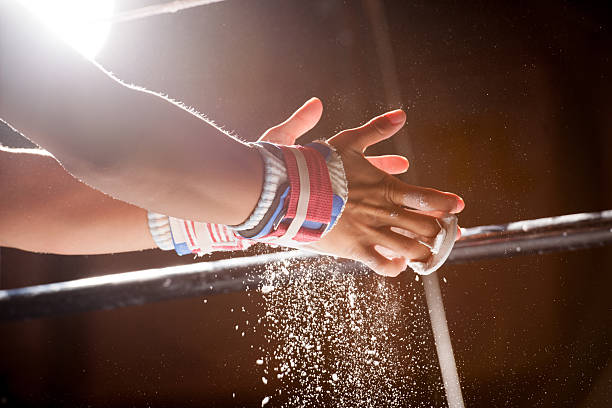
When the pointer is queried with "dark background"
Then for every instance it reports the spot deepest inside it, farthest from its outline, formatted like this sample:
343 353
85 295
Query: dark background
508 105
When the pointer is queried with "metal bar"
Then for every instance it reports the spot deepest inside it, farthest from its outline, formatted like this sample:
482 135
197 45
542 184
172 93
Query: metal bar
444 347
155 10
576 231
139 287
551 234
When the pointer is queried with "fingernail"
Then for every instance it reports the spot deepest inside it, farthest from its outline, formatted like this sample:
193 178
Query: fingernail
460 204
396 117
458 237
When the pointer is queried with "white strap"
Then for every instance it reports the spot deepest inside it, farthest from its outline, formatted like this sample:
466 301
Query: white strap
303 200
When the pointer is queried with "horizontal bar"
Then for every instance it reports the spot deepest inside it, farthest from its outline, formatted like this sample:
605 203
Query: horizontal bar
570 232
139 287
155 10
542 235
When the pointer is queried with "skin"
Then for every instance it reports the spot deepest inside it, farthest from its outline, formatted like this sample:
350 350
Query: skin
375 228
59 214
193 174
65 216
45 209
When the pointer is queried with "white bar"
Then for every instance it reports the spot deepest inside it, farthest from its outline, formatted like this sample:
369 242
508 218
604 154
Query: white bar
444 348
156 9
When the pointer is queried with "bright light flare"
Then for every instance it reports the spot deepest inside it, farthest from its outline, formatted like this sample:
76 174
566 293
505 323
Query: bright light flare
84 24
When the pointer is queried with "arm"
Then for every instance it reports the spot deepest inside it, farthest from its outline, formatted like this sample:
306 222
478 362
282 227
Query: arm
45 209
130 143
141 148
58 214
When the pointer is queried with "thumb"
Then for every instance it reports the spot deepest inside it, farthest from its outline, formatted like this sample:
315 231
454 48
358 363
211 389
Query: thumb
302 120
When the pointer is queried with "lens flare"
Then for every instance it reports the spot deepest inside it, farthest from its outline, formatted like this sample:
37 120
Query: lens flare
84 24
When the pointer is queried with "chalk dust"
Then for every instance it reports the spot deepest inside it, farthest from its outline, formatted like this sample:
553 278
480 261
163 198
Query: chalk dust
345 339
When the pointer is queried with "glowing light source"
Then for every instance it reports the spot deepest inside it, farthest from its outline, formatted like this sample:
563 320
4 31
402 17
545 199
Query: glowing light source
84 24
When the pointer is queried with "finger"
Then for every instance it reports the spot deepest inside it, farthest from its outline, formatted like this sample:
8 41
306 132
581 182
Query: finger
379 264
386 252
427 241
403 246
302 120
418 223
378 129
433 214
391 164
423 198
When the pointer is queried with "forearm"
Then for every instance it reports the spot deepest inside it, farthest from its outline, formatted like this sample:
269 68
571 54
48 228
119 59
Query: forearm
45 209
134 145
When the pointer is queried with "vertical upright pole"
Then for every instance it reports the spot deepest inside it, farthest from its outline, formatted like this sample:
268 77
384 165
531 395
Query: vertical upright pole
444 348
380 30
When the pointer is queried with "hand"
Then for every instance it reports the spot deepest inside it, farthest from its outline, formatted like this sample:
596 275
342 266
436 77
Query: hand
379 206
305 118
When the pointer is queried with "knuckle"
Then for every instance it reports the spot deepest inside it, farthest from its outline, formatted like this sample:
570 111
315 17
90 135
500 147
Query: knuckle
380 214
389 190
298 117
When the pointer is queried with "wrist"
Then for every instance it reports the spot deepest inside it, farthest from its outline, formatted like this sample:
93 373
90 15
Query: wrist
275 176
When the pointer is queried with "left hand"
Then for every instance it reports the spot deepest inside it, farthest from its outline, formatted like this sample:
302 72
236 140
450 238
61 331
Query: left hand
305 118
380 208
